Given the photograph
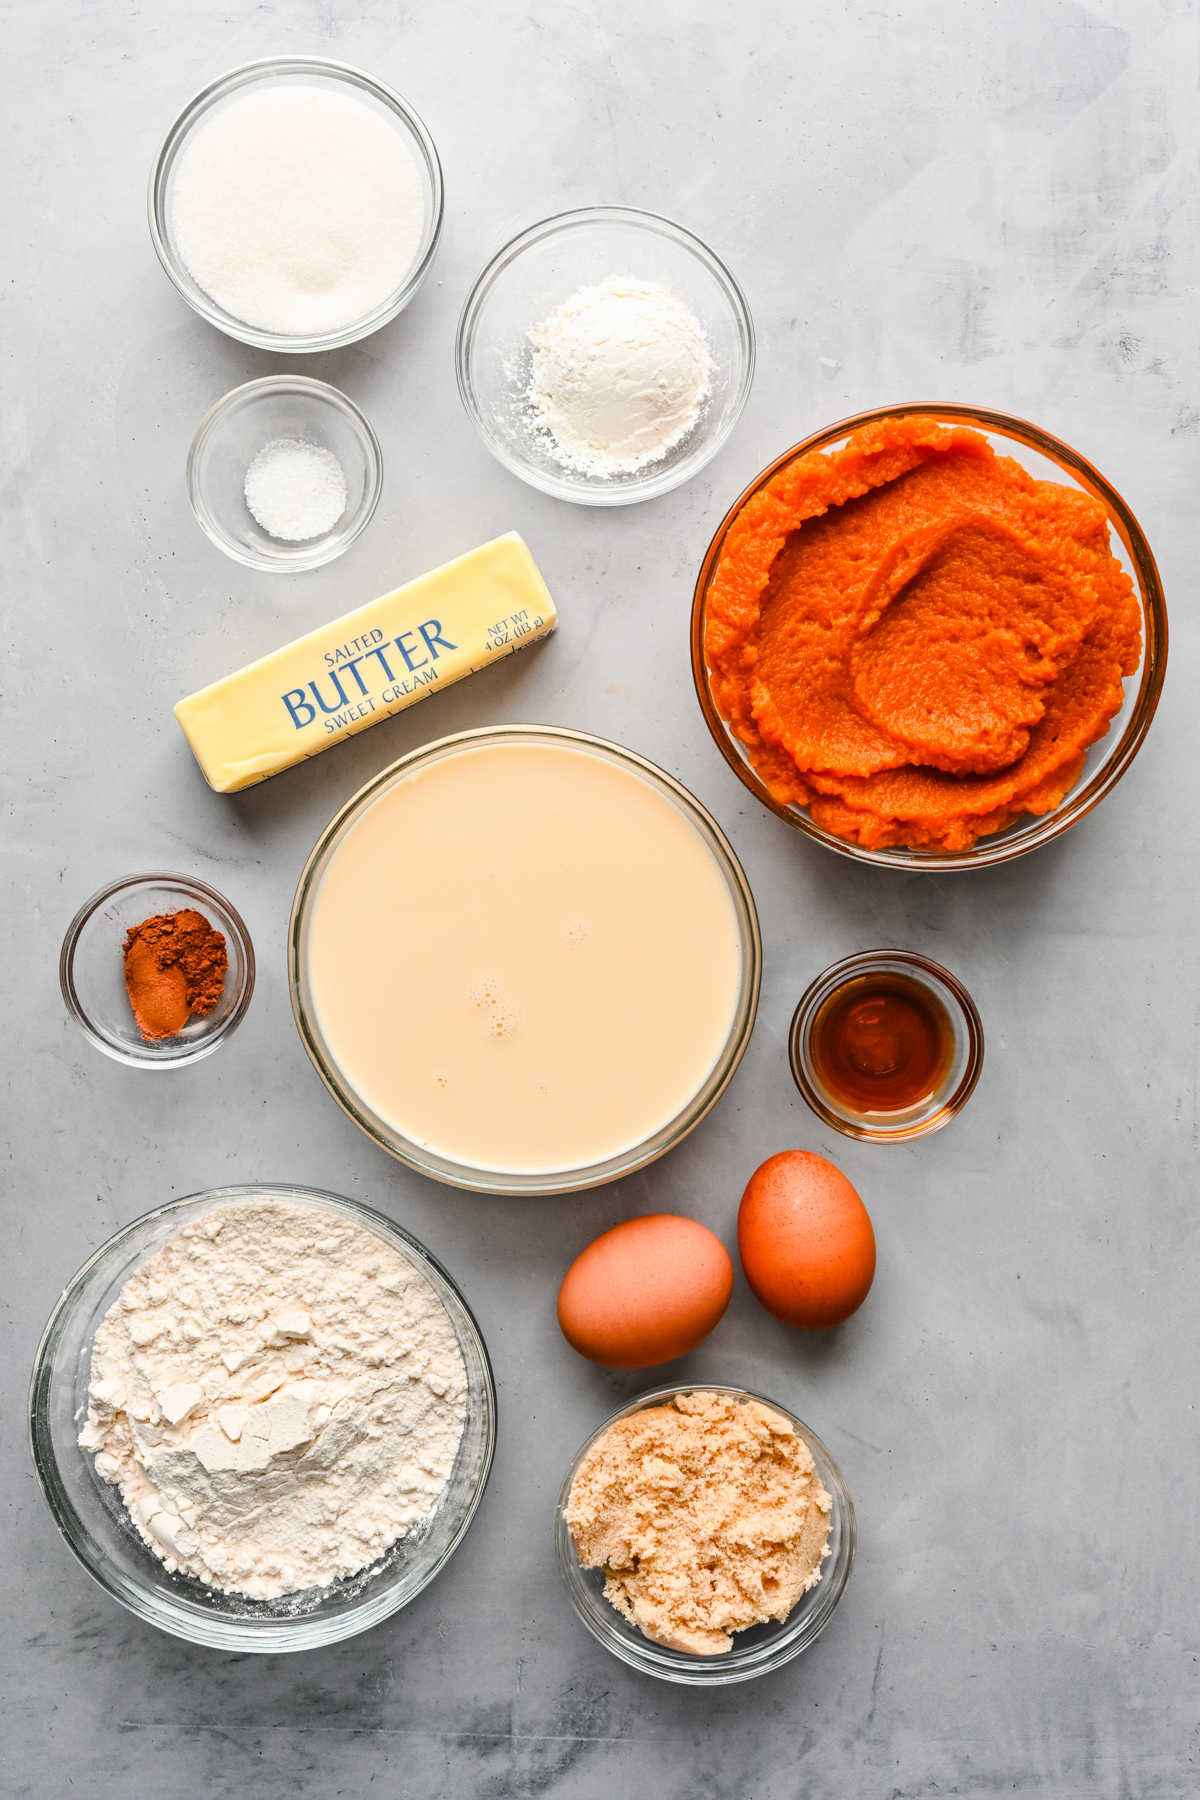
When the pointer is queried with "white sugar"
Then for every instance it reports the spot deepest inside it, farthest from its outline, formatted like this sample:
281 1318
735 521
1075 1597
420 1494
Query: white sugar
298 210
296 490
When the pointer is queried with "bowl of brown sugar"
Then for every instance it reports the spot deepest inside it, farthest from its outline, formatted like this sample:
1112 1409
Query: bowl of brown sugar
727 1570
157 970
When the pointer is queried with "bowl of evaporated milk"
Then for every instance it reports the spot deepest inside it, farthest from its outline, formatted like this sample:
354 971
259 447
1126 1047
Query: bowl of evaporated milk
524 960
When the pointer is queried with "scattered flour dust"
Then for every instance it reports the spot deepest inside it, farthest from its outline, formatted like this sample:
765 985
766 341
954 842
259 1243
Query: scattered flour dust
297 209
619 375
278 1395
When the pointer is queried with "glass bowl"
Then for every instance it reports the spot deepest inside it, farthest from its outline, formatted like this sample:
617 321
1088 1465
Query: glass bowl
467 1175
756 1651
956 1085
92 1517
1047 458
533 275
231 434
273 72
91 970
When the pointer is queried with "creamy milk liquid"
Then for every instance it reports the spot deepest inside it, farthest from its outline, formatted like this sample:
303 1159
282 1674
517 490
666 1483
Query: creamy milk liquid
524 957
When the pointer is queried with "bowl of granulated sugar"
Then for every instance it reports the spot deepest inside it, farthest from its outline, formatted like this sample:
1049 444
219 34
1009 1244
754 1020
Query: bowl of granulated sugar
296 203
284 473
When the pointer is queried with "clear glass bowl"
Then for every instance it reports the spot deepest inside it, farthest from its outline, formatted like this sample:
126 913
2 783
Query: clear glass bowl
1047 458
92 1517
534 274
308 71
230 436
91 969
756 1651
466 1175
953 1090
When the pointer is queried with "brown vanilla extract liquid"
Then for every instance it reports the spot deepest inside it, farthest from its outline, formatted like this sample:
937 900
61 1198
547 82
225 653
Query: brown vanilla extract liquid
882 1043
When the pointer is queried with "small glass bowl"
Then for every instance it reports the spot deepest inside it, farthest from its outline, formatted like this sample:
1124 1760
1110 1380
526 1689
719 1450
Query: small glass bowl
91 970
1046 458
306 71
505 1181
91 1514
230 436
756 1651
533 275
952 1092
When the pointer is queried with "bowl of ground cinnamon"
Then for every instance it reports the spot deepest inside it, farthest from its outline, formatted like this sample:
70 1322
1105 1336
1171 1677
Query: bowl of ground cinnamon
157 970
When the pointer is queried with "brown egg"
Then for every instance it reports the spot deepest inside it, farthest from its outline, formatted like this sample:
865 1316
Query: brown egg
645 1292
805 1240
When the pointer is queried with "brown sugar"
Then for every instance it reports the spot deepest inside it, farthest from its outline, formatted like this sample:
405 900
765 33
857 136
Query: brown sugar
706 1514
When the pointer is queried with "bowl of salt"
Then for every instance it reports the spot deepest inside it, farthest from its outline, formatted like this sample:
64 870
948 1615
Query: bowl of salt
284 473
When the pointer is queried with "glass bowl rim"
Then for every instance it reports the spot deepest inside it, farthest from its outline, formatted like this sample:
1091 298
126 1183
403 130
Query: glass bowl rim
968 1021
273 1636
244 75
650 486
551 1182
324 549
195 889
678 1666
988 852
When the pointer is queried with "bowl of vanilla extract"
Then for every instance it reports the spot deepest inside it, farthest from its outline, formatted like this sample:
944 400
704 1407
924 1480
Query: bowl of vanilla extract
886 1046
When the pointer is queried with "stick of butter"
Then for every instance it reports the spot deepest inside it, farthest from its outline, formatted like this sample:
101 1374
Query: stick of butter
370 663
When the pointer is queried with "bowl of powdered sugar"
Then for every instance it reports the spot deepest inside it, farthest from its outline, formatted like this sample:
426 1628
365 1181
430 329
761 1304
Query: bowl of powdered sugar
263 1418
605 355
296 203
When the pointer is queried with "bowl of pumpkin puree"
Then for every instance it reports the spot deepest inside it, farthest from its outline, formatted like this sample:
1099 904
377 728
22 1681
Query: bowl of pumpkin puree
929 635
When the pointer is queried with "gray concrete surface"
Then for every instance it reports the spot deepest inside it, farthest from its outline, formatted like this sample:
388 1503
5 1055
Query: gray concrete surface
991 203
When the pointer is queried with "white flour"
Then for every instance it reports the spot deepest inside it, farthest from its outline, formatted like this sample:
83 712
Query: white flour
619 376
278 1395
298 210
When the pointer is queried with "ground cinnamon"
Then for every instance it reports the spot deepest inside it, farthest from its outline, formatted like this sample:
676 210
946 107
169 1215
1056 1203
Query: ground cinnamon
175 967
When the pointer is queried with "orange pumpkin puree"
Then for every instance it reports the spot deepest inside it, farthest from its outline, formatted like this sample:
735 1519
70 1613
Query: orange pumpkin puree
917 640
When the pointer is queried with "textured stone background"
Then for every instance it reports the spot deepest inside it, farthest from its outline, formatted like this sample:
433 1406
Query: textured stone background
993 203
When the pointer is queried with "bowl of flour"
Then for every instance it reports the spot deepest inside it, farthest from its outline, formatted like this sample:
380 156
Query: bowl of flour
263 1418
605 355
296 203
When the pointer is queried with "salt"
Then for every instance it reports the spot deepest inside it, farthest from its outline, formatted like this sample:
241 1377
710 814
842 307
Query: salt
296 490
